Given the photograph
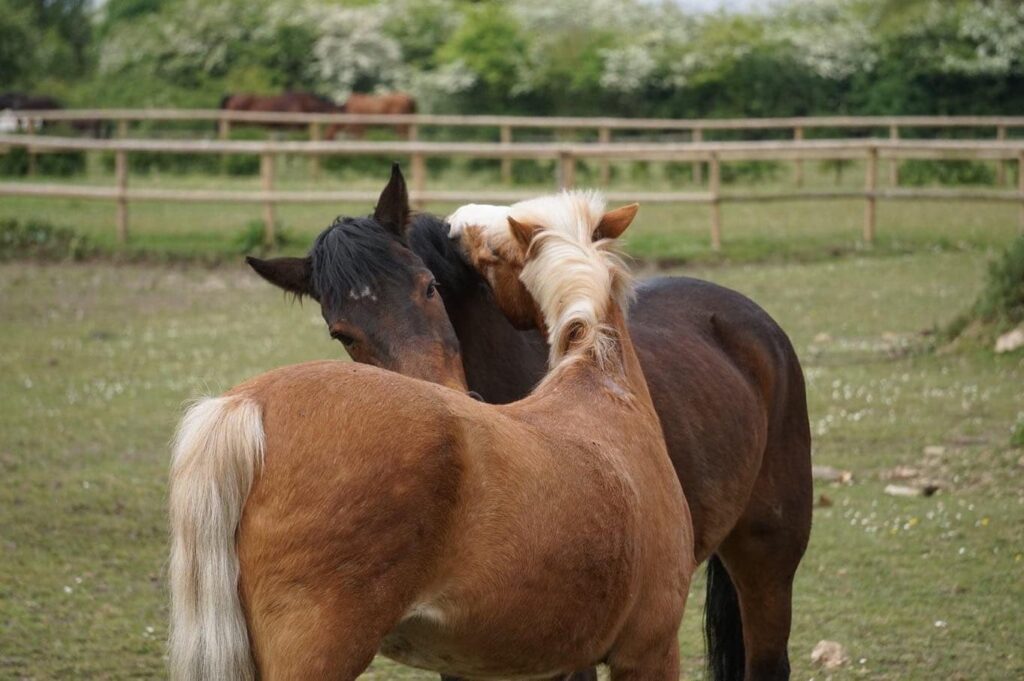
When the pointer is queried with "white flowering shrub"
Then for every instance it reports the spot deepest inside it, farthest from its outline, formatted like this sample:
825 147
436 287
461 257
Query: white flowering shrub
993 37
196 39
352 51
570 55
833 39
627 69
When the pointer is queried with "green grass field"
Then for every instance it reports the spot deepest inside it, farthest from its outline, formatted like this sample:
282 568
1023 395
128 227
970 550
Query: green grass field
97 359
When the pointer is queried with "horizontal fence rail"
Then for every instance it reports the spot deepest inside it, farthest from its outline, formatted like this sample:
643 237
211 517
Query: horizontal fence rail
566 155
548 122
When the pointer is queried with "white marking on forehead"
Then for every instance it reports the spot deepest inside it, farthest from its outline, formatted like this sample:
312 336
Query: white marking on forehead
365 293
490 218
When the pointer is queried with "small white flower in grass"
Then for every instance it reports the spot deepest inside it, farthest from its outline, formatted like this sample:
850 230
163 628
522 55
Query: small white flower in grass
68 589
941 624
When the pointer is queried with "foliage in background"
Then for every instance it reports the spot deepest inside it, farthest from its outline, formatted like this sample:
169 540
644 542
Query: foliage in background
39 240
252 239
1017 436
14 162
1000 306
613 57
1002 300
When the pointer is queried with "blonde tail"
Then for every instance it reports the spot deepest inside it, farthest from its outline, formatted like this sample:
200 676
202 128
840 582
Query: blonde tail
217 450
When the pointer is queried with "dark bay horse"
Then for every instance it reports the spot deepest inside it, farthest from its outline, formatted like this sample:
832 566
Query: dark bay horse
728 389
325 511
286 102
19 101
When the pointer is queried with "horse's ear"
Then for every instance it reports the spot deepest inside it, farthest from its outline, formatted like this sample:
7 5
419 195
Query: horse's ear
291 274
614 222
522 232
392 211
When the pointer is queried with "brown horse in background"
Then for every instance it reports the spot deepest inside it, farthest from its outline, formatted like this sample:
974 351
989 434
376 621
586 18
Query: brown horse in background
324 511
12 102
286 102
387 103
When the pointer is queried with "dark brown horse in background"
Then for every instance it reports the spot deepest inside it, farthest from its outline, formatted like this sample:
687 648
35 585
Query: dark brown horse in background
724 378
286 102
14 102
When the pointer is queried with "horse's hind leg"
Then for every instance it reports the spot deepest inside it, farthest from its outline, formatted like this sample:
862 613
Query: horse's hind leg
761 555
316 639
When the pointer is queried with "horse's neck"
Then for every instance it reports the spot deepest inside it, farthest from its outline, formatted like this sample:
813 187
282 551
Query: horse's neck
620 377
632 372
501 363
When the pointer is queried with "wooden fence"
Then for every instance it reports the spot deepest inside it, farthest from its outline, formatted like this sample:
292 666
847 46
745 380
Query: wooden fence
713 154
696 129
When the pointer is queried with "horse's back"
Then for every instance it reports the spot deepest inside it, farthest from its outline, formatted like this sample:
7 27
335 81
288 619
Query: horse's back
725 380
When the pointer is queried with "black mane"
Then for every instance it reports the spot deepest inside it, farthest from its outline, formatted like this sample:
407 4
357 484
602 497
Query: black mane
351 255
428 238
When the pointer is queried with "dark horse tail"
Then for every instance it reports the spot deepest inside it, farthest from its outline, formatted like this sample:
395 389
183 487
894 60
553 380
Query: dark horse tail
723 629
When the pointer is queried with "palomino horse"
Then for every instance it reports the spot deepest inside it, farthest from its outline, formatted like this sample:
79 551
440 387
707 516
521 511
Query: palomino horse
727 387
397 327
387 103
323 511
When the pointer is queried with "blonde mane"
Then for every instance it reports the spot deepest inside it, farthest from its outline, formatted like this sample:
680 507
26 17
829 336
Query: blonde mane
572 278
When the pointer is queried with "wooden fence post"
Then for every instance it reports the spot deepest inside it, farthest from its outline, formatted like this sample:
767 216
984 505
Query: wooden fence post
122 128
1001 167
604 136
314 159
870 187
506 163
267 185
31 130
1020 190
714 186
223 132
419 180
798 164
894 164
121 178
566 170
697 136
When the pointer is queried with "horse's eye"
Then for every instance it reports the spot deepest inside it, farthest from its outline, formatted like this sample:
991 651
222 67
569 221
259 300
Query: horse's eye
431 289
345 339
